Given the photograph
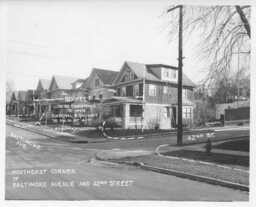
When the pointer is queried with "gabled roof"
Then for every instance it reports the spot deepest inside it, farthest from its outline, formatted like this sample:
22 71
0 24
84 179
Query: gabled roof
79 80
106 76
15 95
138 69
45 83
83 86
63 82
22 95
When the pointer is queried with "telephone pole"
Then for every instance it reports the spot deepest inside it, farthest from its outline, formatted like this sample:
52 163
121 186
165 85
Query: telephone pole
179 133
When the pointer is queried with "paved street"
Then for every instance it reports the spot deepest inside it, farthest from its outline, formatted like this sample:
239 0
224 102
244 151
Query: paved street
40 163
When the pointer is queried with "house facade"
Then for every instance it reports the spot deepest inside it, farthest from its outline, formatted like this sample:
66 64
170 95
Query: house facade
22 109
42 88
99 84
147 96
78 90
13 105
30 103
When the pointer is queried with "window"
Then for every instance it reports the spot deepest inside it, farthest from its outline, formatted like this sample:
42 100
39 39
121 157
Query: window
101 95
129 90
187 112
173 74
136 90
129 75
169 74
135 110
167 112
184 93
123 91
152 90
97 82
165 73
165 89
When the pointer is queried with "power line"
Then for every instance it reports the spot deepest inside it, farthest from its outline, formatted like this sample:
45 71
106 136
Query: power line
16 52
23 74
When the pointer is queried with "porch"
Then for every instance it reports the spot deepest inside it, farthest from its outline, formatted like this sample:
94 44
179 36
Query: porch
124 112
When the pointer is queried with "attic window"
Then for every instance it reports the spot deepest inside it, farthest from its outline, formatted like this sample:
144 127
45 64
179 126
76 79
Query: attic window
129 75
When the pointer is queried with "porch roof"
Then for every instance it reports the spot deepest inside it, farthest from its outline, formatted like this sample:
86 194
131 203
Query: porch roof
119 99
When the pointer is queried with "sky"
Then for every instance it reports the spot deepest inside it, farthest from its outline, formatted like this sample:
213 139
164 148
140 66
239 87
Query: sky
46 38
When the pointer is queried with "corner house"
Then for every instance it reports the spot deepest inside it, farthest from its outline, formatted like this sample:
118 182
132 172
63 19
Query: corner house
152 89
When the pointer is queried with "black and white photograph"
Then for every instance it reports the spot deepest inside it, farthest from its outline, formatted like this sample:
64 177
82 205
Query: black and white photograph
126 100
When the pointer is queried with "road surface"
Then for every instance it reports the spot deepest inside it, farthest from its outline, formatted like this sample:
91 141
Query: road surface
51 169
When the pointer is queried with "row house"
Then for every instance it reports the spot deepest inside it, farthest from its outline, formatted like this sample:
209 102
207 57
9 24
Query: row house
30 105
54 92
99 82
22 110
23 103
147 96
42 88
13 104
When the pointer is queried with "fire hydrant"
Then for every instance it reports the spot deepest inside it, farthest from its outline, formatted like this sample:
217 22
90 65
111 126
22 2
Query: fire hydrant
208 147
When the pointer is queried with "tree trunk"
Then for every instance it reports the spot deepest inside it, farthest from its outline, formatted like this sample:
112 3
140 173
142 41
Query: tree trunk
244 20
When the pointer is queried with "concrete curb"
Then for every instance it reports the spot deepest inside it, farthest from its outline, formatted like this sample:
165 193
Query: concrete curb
209 180
150 136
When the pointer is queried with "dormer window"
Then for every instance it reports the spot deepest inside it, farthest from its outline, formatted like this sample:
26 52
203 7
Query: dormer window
169 74
165 73
173 74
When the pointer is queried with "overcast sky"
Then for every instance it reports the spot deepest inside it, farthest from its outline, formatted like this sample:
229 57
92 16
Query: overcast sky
71 37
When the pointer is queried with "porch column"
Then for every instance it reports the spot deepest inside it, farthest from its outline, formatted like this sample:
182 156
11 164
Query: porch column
126 115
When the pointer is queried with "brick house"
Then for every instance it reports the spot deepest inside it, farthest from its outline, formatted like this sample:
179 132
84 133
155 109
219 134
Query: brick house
158 99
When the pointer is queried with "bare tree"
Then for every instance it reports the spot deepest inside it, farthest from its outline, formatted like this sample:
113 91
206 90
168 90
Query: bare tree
225 34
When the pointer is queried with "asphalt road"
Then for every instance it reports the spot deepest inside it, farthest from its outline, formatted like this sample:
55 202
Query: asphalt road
40 171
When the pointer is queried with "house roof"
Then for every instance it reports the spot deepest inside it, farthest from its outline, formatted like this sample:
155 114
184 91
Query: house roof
45 83
79 80
14 95
23 95
138 69
64 82
83 86
106 76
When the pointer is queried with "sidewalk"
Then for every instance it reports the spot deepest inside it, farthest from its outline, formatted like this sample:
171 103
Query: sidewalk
201 148
122 153
50 132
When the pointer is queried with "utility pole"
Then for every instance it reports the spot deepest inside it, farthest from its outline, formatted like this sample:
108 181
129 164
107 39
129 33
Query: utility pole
179 133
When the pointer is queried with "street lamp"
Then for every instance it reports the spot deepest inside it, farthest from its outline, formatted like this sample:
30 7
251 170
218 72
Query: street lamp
179 133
